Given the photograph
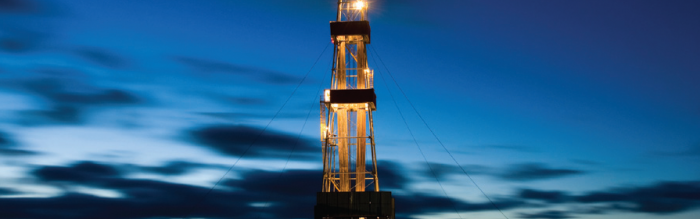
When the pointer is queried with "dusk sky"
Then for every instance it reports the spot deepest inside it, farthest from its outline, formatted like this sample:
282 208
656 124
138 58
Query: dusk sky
557 109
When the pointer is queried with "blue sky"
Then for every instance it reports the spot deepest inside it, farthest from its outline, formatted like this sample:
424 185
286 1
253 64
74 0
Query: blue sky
558 109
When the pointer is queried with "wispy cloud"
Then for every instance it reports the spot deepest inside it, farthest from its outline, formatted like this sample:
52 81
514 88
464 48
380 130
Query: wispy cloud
535 171
13 152
551 214
6 191
659 198
10 148
175 167
237 140
443 171
548 196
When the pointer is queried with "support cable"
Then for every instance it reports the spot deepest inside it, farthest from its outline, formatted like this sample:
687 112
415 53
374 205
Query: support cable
417 145
296 143
194 207
436 137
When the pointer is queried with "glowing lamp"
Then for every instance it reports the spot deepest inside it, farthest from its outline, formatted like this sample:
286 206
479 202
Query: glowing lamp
359 5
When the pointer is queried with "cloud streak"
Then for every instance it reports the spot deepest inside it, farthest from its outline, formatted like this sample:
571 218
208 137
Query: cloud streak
176 167
547 215
9 147
535 171
237 140
69 98
661 198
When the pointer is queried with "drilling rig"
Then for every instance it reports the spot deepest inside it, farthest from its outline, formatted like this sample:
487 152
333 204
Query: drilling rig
347 125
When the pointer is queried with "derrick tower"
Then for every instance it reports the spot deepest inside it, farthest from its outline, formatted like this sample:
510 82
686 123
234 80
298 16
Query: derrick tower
347 125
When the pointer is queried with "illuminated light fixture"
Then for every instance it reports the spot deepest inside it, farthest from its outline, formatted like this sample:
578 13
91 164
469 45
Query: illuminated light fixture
359 5
327 95
335 105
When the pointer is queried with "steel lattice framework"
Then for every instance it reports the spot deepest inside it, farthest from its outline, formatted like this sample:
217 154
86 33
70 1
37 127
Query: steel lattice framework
347 126
346 109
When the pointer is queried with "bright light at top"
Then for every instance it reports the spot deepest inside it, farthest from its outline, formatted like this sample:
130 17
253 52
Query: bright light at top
359 5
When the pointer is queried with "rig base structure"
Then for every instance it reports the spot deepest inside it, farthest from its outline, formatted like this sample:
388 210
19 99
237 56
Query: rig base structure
354 205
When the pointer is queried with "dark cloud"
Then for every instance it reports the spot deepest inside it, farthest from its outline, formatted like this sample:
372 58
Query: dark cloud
155 199
57 115
661 198
5 140
16 152
442 171
535 171
61 91
9 148
101 57
413 204
141 198
547 215
216 67
6 191
288 183
235 140
69 99
18 40
81 172
146 199
391 175
422 204
177 167
548 196
503 204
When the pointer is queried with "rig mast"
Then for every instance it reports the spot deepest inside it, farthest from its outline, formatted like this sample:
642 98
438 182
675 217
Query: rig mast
346 118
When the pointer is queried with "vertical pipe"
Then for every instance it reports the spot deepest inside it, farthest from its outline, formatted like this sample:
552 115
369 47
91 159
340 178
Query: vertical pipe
343 155
361 150
361 117
374 154
340 10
